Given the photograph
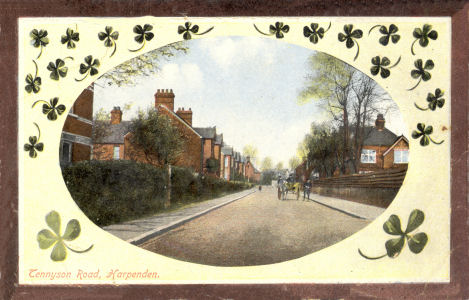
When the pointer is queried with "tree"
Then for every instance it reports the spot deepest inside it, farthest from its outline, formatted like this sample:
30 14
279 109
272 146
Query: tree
251 151
279 166
160 141
146 64
266 164
294 162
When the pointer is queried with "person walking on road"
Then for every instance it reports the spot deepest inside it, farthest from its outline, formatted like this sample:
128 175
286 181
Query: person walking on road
306 189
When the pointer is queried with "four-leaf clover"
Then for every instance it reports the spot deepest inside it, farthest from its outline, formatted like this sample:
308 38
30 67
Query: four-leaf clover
109 37
47 238
33 83
70 38
415 241
423 132
51 109
350 37
434 100
420 71
387 34
58 69
143 34
380 65
34 144
39 39
188 28
315 32
278 29
422 35
90 67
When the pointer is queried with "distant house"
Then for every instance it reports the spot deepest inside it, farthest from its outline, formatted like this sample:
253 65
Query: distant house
76 142
382 149
226 162
252 173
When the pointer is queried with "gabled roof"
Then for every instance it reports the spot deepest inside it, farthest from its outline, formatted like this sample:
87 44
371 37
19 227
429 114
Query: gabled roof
227 150
375 137
219 139
206 132
115 133
179 119
401 138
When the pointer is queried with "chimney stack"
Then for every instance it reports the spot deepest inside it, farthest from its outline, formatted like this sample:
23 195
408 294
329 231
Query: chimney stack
116 115
186 115
379 123
164 97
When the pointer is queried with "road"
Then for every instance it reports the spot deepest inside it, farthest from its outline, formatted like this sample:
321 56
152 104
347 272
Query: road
256 230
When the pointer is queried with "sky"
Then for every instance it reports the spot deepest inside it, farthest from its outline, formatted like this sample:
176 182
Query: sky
245 86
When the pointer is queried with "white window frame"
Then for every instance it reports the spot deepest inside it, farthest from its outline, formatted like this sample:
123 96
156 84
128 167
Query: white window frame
368 156
398 154
114 156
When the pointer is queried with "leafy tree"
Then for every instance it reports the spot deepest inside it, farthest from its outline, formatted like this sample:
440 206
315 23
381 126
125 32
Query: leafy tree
251 151
266 164
294 162
279 166
159 140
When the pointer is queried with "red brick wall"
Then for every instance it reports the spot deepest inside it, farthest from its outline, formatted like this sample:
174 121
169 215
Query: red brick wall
72 125
80 152
83 106
389 158
208 150
106 151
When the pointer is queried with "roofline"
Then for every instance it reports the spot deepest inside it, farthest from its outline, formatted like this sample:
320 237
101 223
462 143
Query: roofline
402 137
181 120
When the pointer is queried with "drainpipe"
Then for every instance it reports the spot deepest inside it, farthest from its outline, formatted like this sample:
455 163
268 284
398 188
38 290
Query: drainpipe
202 156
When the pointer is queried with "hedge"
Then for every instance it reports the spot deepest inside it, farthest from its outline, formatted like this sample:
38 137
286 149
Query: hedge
114 191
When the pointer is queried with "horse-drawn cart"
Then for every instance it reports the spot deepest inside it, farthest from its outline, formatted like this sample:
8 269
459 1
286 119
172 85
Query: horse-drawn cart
286 186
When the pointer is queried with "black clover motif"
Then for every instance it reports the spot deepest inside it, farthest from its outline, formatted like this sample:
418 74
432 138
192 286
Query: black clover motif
143 34
187 29
278 29
51 109
34 144
422 35
350 37
392 226
315 32
420 71
434 100
109 37
39 39
423 132
390 33
33 83
380 65
90 68
70 38
58 69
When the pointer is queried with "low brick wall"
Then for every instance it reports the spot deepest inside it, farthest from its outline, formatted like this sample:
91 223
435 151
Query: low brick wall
377 188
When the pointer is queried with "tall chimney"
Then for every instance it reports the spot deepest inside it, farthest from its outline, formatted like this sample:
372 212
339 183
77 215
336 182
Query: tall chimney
186 115
379 123
164 97
116 115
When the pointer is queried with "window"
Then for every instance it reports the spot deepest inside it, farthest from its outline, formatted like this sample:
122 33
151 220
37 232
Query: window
401 156
226 161
368 156
116 152
66 153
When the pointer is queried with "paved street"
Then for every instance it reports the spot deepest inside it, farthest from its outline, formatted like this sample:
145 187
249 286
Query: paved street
259 229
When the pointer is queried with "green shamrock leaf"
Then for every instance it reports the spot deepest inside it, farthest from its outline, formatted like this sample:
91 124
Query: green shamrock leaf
388 34
51 109
278 29
58 69
34 144
47 238
39 39
423 132
315 32
187 29
380 65
423 35
70 38
33 83
394 246
109 37
91 67
434 100
143 34
420 71
350 36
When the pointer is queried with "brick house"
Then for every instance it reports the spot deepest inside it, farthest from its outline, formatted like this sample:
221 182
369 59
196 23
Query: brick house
76 142
200 143
252 174
382 149
226 162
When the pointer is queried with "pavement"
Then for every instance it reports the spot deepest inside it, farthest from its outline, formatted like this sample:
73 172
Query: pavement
141 230
138 231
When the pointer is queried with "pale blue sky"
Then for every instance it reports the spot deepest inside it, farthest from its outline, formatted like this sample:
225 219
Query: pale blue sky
245 86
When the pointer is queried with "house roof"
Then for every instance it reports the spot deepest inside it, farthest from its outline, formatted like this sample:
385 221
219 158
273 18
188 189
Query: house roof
395 143
227 150
375 137
180 119
206 132
219 139
115 134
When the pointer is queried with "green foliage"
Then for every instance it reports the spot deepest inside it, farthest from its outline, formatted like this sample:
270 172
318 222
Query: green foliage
267 164
267 177
213 165
251 151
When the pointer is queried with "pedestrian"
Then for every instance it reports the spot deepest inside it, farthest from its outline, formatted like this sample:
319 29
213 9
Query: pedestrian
306 189
260 187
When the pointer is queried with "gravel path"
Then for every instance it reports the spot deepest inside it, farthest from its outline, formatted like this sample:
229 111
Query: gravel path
256 230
